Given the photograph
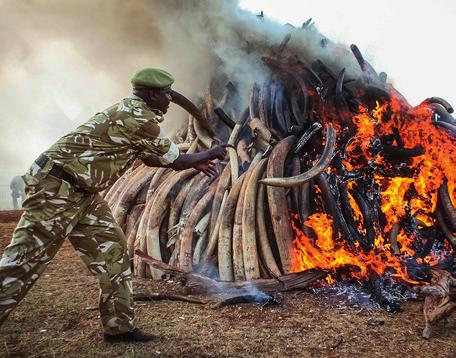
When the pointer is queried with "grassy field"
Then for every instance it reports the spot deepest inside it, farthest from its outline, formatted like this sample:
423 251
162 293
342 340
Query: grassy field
59 318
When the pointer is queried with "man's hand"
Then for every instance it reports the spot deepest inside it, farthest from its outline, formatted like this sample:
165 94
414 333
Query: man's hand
219 151
207 168
201 160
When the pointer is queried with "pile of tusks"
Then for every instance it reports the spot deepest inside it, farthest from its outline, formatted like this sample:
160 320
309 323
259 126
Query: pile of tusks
237 226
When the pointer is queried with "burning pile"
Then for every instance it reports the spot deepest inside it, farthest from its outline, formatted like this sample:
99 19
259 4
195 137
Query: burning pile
330 172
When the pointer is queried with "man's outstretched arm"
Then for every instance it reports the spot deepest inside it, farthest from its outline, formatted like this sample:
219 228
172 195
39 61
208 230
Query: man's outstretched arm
201 160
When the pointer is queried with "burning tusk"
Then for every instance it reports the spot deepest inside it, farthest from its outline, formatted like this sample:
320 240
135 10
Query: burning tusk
441 115
322 164
315 127
294 75
402 153
448 234
340 83
450 127
448 209
368 241
438 100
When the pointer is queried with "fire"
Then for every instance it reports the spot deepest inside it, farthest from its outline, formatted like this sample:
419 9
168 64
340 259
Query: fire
358 149
414 195
393 202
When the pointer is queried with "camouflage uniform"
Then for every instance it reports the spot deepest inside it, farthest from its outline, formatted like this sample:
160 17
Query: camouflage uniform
96 154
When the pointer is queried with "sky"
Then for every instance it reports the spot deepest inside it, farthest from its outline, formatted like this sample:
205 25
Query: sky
62 60
410 40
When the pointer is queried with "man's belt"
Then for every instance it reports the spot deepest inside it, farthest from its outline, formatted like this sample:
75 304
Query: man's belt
59 173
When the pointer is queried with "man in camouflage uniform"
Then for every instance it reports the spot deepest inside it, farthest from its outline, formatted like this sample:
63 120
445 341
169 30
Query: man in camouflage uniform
17 187
62 201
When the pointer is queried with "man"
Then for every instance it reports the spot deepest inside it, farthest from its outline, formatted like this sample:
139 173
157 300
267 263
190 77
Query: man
62 200
17 187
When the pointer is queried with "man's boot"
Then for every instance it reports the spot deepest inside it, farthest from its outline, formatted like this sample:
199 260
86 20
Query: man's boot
133 336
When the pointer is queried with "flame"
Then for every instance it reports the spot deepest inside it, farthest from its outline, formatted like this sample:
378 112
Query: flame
400 195
393 202
329 279
358 148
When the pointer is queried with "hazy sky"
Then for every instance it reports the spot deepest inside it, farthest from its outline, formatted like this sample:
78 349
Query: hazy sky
410 40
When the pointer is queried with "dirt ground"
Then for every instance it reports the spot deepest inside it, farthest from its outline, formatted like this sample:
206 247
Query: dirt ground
59 318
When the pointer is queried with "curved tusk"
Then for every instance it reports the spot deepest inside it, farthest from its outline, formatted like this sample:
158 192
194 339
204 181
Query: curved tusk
188 106
322 164
448 209
438 100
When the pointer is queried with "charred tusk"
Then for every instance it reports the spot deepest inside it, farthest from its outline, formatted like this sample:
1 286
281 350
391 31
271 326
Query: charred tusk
340 83
438 100
448 209
402 153
448 234
315 127
440 115
224 117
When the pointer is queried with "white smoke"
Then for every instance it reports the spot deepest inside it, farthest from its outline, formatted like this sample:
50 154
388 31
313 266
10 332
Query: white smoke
64 60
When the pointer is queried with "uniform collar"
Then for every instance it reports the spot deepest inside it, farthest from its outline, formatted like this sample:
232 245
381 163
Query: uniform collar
159 114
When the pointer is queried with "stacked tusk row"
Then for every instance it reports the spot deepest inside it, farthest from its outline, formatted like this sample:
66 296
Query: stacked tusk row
288 141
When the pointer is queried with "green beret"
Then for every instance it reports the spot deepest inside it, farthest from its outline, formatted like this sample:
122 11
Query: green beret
152 77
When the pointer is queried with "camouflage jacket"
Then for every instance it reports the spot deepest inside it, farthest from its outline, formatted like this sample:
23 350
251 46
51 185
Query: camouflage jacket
98 152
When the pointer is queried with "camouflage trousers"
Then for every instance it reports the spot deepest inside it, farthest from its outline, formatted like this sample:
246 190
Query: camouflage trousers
52 212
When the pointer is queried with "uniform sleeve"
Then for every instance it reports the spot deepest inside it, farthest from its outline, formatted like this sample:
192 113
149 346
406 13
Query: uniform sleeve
151 139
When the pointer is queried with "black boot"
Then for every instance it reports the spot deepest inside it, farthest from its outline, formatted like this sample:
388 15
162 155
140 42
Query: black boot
133 336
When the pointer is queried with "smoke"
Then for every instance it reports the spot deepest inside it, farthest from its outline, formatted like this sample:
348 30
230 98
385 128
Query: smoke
64 60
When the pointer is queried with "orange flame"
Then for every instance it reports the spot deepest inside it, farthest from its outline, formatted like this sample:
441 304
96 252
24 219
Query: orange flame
431 170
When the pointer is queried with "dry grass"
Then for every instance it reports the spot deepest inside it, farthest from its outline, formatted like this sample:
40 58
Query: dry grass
57 318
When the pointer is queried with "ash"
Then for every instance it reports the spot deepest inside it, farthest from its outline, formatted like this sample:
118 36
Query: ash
377 293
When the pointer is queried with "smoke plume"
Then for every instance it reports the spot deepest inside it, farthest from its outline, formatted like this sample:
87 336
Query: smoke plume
64 60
